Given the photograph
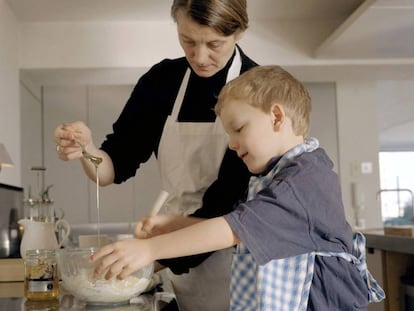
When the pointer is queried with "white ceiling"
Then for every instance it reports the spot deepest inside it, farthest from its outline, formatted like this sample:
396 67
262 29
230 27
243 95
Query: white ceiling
127 10
374 32
377 29
372 29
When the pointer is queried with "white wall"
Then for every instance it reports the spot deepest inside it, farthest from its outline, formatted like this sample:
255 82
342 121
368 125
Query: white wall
358 143
141 44
9 90
323 117
97 45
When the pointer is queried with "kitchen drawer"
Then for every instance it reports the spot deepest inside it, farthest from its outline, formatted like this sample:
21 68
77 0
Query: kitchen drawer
11 270
406 230
11 290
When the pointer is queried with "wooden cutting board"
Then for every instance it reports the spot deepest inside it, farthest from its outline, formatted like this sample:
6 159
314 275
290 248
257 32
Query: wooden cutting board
406 230
11 269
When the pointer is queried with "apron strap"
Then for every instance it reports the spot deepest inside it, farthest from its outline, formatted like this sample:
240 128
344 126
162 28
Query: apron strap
180 95
375 292
233 72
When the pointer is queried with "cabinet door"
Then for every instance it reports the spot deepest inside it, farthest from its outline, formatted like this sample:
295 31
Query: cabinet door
375 267
98 107
70 185
132 199
31 145
116 201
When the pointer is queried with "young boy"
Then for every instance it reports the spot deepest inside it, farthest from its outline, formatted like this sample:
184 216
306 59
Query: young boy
295 250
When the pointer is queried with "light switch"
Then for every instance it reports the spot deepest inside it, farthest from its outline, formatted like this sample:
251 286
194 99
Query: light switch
366 168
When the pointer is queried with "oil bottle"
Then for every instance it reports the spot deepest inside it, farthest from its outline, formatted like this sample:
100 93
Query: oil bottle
41 280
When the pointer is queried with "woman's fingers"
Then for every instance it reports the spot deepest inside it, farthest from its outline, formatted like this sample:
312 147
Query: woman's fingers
67 137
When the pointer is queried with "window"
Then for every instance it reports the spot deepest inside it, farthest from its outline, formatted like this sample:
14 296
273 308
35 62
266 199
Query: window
397 187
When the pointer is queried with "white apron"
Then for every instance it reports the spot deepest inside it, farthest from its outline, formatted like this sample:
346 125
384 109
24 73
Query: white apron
189 157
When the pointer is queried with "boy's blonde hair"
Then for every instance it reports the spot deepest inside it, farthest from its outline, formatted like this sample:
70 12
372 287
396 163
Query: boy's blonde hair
263 86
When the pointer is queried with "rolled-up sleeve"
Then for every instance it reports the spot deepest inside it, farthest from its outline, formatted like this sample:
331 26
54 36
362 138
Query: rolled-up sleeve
273 225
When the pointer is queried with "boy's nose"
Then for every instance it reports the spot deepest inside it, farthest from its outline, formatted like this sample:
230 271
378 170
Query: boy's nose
233 145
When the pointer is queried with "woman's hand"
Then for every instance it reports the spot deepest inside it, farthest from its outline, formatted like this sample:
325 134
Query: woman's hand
68 138
122 258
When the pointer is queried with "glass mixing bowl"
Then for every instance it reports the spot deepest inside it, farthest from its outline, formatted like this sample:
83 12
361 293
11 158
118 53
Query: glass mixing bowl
77 275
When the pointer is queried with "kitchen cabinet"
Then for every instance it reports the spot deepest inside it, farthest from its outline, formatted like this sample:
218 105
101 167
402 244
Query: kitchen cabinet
99 106
104 104
31 145
70 189
375 266
396 259
11 277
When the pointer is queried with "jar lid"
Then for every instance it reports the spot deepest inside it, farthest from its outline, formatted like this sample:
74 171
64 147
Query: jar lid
40 252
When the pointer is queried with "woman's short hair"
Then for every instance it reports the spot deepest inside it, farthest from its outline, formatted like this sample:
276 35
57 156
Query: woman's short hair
224 16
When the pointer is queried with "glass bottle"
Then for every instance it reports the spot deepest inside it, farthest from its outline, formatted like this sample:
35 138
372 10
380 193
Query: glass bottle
41 280
41 305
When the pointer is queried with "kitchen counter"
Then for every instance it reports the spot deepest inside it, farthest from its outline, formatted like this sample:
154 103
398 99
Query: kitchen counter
66 302
397 260
378 240
12 294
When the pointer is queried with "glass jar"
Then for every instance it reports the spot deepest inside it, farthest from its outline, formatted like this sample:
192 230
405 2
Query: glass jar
41 280
45 305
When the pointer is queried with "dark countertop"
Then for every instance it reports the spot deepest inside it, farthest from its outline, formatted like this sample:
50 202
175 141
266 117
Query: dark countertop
13 300
12 294
375 239
68 302
400 244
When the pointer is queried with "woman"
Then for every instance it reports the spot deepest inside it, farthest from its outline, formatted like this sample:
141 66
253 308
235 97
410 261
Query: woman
170 113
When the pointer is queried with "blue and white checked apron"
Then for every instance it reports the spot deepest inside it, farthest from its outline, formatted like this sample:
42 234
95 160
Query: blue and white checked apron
284 284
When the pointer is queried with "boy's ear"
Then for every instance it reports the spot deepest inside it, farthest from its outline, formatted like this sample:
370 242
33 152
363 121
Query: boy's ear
278 115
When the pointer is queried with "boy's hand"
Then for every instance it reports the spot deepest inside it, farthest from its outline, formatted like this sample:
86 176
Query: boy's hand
122 258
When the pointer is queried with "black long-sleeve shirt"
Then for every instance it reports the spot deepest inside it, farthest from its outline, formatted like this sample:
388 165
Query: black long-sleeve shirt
142 121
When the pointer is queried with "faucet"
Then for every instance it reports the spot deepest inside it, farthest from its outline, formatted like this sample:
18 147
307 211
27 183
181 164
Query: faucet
398 190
